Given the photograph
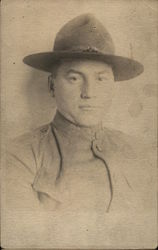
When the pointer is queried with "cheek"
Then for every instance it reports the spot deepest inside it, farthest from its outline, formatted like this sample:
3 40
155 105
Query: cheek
66 96
106 93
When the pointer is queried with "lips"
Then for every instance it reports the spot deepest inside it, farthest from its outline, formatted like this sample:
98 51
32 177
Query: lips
89 107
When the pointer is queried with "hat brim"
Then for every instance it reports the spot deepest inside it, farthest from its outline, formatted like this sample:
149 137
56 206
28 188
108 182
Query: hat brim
123 68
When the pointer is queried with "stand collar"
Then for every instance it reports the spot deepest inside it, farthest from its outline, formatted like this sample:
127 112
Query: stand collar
70 129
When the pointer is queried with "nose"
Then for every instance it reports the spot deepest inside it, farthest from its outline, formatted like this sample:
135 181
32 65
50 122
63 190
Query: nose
87 90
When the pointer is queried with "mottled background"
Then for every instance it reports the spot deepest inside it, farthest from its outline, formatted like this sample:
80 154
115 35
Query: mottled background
30 26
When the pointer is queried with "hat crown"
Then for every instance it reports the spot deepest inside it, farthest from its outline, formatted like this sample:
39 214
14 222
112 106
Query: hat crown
84 33
84 37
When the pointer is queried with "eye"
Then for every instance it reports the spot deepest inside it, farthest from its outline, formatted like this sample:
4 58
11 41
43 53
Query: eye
102 78
73 78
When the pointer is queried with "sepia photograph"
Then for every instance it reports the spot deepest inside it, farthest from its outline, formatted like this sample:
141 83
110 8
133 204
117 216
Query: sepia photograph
79 124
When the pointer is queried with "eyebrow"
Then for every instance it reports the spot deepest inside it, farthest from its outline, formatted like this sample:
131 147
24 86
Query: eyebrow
78 72
74 71
103 72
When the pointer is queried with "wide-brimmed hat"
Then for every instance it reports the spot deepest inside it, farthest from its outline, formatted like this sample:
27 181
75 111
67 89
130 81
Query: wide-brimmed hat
85 37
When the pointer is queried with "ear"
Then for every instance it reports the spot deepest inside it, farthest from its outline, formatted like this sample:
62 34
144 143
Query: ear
51 85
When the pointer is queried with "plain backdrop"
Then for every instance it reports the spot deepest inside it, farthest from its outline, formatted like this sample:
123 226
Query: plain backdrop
30 26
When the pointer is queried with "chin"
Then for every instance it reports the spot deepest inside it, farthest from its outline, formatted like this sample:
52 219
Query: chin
89 121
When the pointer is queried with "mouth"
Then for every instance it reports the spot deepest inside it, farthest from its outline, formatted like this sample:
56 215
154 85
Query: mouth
89 107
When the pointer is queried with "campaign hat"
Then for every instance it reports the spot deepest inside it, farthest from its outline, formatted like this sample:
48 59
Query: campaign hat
85 37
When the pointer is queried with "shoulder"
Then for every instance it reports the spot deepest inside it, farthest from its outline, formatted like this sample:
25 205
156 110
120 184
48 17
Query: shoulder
23 148
28 139
130 146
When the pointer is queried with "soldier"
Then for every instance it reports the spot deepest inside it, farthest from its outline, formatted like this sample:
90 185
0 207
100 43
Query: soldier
90 178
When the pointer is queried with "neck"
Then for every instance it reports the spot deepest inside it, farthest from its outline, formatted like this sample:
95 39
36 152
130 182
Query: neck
67 127
75 123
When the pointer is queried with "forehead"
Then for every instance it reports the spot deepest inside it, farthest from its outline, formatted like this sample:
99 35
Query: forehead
84 65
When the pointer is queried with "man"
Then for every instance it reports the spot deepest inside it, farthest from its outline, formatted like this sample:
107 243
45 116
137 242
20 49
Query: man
73 180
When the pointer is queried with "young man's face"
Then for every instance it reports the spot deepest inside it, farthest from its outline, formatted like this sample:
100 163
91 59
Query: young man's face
83 90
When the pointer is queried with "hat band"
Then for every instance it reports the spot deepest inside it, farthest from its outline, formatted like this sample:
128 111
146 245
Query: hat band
79 49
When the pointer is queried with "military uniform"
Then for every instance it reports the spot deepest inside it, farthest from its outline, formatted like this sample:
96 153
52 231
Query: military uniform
74 187
79 185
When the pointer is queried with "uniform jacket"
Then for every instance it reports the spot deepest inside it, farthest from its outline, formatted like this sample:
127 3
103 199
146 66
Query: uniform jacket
34 186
